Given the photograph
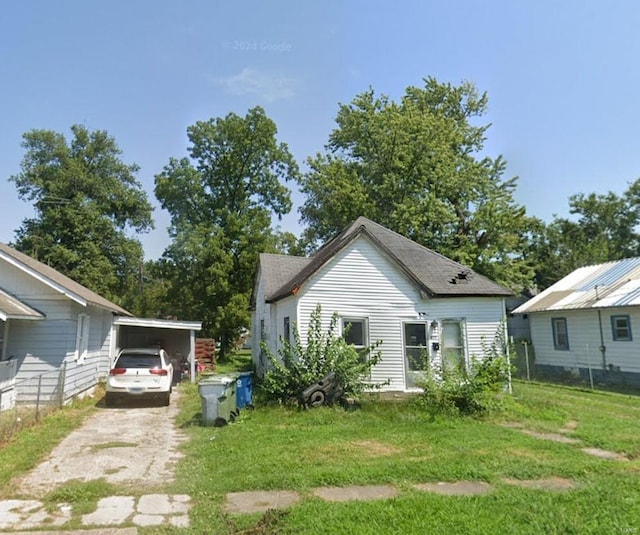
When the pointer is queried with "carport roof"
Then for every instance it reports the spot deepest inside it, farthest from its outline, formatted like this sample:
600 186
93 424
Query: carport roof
12 308
158 323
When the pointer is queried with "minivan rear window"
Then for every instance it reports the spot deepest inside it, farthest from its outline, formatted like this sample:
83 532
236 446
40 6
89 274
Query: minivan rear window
138 361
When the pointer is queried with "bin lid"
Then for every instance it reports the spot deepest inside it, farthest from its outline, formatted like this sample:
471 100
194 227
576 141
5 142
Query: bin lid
217 380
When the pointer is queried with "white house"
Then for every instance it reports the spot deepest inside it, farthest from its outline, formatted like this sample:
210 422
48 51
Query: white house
387 288
584 324
50 323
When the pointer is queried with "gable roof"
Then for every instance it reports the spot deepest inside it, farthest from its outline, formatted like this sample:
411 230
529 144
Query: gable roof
56 280
432 273
612 284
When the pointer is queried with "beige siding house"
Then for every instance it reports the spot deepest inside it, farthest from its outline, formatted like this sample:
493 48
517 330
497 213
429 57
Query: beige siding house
387 288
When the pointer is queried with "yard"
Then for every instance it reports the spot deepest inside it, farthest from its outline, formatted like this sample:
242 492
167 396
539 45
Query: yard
539 441
395 443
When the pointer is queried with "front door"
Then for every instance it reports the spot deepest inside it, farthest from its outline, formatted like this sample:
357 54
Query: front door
415 352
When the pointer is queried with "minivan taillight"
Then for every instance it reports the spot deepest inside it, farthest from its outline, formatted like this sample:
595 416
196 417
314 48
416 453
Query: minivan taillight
117 371
158 371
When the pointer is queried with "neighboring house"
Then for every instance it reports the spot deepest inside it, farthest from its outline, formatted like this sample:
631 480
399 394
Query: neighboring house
586 323
50 323
387 288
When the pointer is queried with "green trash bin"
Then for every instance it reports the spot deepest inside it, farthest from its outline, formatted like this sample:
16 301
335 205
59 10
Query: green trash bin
218 396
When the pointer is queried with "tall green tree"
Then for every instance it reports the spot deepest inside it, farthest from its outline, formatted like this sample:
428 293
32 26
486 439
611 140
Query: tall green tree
603 228
87 203
417 167
221 200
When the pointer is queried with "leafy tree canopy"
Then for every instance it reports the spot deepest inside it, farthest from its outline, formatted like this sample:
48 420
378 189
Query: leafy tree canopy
86 201
603 229
221 200
416 166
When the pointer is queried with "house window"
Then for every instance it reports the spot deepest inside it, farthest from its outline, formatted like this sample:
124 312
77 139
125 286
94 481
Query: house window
560 334
355 332
287 329
621 328
82 338
453 344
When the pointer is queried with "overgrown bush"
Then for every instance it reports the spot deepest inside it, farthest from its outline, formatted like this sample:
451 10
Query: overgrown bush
298 366
467 390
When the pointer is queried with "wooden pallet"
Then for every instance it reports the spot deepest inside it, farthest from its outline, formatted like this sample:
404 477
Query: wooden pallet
206 353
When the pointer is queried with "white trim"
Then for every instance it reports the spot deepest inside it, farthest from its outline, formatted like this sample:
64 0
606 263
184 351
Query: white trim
157 323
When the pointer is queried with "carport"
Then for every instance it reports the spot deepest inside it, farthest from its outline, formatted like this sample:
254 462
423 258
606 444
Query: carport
178 338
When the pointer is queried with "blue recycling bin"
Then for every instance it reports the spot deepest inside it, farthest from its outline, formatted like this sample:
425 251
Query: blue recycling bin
244 390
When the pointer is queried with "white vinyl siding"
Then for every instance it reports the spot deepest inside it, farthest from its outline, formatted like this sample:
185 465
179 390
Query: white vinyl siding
584 332
360 281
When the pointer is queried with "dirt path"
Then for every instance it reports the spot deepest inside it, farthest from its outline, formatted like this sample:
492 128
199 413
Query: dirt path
134 445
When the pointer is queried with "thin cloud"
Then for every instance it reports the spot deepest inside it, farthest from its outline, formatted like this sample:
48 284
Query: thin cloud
250 81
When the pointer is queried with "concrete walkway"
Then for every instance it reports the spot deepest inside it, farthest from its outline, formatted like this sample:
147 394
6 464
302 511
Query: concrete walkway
148 510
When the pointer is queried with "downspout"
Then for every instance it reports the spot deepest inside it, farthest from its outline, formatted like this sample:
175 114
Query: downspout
603 348
5 338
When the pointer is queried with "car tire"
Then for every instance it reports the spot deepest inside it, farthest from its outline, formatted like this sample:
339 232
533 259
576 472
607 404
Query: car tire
166 399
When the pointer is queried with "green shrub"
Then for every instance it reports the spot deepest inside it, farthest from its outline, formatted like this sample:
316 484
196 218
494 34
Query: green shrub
298 366
469 390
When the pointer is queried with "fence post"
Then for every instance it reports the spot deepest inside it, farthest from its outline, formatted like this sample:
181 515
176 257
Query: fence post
38 397
61 383
525 343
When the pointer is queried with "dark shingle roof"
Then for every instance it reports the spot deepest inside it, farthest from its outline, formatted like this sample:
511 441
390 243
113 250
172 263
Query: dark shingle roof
277 270
52 276
433 274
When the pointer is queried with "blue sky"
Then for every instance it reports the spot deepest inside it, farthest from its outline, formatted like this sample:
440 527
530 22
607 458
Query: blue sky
563 80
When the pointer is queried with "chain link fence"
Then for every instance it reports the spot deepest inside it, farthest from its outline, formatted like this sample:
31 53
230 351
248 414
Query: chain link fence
28 400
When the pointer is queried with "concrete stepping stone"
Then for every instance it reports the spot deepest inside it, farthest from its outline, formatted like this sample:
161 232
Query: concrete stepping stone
554 437
604 454
31 514
110 511
558 484
456 488
345 494
259 501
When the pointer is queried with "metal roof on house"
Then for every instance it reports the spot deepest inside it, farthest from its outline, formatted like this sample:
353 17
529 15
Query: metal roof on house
12 308
432 273
612 284
57 280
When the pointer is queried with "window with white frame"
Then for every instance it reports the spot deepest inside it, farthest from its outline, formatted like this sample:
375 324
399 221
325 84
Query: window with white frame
560 334
355 331
82 338
621 328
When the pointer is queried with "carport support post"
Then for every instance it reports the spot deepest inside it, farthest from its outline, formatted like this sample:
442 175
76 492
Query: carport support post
192 355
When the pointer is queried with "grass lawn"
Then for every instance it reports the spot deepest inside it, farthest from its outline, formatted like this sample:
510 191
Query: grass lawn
395 443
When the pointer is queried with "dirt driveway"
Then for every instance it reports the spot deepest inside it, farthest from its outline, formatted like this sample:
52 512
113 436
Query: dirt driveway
134 445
